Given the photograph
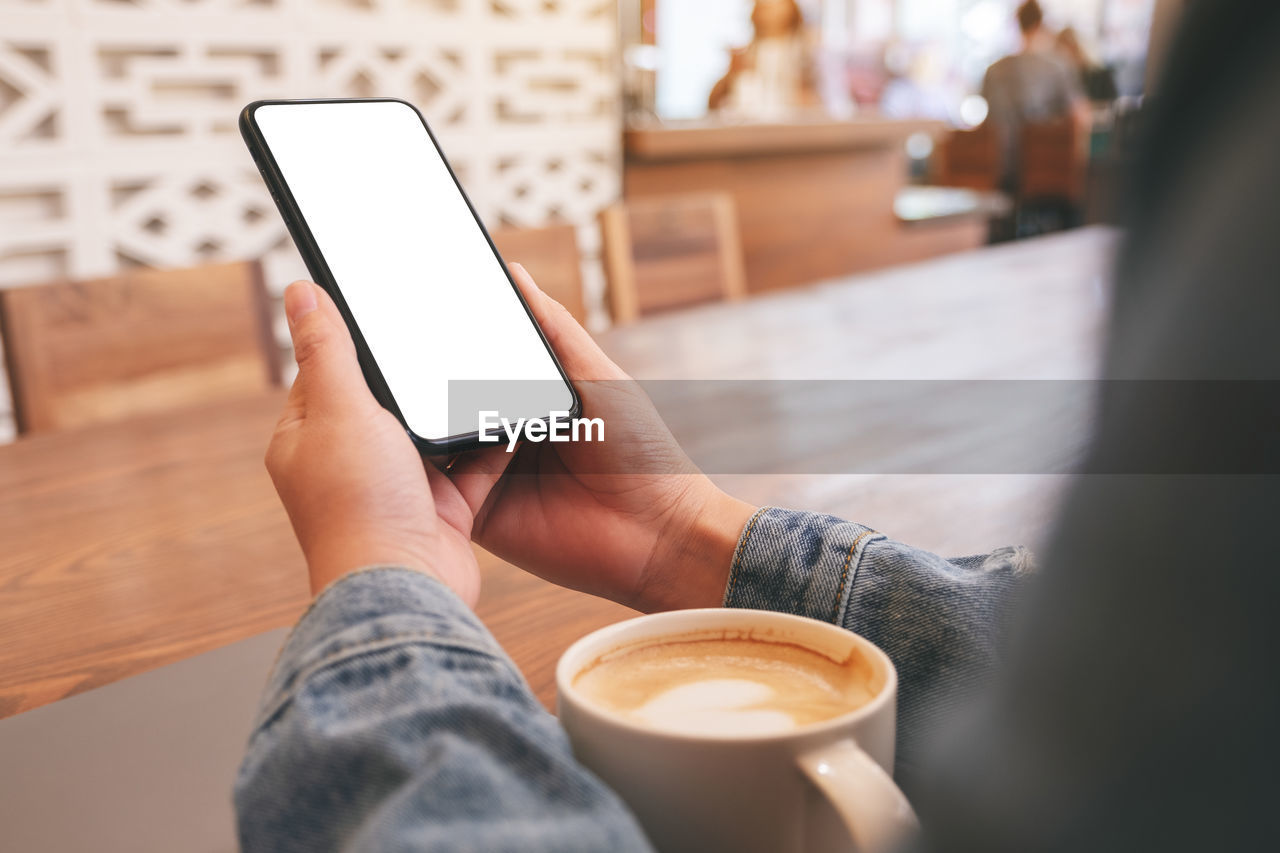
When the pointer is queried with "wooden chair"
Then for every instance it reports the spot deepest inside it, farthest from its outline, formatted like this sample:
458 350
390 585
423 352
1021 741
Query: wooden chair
80 353
969 159
1053 166
551 257
666 252
1053 160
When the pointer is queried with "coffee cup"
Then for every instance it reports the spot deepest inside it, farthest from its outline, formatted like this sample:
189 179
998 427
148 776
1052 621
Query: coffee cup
744 730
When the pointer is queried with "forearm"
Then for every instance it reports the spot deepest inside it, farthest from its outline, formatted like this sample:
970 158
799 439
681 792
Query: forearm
941 621
393 720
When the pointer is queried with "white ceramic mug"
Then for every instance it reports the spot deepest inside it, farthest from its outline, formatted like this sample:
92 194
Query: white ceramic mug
820 788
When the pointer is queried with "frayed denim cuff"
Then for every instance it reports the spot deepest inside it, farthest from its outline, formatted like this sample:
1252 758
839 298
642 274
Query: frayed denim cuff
373 608
797 562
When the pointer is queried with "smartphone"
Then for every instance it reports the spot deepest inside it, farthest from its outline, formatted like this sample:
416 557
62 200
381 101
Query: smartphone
442 332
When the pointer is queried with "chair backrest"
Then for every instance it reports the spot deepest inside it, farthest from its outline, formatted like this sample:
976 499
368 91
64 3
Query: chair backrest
664 252
1053 159
969 158
551 256
87 352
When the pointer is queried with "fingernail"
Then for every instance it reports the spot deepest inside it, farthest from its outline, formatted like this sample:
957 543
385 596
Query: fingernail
299 300
524 272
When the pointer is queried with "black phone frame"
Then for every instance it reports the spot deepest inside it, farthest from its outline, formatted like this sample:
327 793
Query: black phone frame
319 268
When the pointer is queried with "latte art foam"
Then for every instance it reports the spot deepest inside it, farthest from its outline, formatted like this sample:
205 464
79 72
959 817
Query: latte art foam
726 686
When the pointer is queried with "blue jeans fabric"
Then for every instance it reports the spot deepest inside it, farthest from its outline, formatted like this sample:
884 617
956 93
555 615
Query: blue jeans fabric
394 721
942 622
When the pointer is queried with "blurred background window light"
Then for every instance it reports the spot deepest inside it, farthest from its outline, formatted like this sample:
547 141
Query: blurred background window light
917 58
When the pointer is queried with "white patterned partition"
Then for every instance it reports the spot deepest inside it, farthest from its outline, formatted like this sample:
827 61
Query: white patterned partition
118 139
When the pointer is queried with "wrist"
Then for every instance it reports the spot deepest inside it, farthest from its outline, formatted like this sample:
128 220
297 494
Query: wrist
328 562
690 567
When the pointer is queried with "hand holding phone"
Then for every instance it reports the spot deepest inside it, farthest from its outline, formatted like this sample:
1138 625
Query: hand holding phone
385 228
583 516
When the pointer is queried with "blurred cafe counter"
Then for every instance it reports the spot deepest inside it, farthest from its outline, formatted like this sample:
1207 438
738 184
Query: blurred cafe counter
815 198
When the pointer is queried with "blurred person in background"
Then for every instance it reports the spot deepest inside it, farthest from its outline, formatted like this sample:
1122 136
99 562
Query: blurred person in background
1131 705
1097 81
774 74
1030 87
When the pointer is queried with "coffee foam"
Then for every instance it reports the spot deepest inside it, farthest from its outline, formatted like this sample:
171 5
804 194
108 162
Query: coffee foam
717 705
726 685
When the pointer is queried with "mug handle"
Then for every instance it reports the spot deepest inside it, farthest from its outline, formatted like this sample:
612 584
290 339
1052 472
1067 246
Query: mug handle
876 813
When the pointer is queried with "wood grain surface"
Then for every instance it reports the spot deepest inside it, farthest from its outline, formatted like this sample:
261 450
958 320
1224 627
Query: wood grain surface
144 542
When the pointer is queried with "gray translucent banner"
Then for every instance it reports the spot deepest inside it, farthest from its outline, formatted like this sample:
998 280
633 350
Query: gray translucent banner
920 426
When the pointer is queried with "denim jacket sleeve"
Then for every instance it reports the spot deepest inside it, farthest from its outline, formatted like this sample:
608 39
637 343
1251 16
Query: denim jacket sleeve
393 721
940 621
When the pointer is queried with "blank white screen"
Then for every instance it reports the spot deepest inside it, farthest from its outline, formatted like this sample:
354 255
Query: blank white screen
422 283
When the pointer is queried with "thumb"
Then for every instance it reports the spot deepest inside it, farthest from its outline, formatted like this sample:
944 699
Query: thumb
328 372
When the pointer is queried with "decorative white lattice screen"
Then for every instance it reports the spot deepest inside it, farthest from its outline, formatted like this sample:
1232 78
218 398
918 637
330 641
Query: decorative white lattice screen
118 139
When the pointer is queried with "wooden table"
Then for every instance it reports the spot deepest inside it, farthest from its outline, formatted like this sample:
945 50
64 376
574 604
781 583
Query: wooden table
135 545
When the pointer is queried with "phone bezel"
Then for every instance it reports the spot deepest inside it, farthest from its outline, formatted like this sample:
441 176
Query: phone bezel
319 269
